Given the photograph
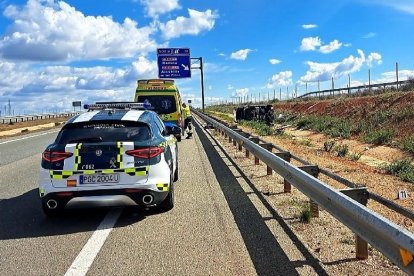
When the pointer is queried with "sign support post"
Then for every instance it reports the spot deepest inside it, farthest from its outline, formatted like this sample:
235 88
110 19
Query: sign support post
200 60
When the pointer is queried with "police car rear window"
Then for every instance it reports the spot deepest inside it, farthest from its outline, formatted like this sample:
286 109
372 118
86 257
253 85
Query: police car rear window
162 104
104 132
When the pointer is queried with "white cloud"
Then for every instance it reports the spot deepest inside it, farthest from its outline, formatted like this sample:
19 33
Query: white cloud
329 48
192 25
274 61
280 79
240 92
391 77
374 58
196 100
230 87
406 6
309 26
156 7
310 43
222 54
57 85
215 68
325 71
356 83
315 44
56 31
369 35
240 54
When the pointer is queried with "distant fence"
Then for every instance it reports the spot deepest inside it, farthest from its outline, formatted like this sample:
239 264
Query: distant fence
369 88
34 117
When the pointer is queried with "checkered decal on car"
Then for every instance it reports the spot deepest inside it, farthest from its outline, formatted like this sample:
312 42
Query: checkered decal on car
141 171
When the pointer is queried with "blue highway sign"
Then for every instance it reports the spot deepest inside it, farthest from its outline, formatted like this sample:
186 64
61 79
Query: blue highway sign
174 63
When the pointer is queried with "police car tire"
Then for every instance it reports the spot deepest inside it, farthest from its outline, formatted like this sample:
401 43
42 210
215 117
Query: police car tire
168 202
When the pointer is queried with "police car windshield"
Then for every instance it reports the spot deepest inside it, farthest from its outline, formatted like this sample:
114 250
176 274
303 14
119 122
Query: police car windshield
96 132
162 104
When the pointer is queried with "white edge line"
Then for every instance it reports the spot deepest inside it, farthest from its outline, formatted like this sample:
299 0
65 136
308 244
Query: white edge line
27 137
90 250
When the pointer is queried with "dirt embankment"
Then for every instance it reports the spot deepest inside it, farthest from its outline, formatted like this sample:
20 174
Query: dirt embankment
15 129
389 111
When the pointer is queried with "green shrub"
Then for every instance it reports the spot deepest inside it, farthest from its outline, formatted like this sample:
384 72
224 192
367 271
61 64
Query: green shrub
379 137
306 142
305 215
408 144
328 145
304 123
342 150
329 125
401 168
261 128
354 156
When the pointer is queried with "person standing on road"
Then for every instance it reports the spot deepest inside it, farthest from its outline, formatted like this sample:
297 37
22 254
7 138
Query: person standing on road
187 120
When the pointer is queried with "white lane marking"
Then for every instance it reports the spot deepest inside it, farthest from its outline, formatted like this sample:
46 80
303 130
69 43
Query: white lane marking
84 260
27 137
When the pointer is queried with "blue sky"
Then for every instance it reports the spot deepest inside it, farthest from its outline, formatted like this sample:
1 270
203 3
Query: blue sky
56 52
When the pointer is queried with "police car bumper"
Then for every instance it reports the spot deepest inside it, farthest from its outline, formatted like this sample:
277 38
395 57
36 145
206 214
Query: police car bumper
104 198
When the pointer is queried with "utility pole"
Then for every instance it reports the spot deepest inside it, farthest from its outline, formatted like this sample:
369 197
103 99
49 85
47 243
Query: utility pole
396 73
200 59
349 85
369 80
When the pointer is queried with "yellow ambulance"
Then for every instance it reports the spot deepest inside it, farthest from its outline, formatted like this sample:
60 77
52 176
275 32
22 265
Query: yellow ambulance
164 97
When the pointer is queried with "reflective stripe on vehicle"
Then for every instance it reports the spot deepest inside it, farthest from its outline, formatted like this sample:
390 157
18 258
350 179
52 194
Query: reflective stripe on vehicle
140 171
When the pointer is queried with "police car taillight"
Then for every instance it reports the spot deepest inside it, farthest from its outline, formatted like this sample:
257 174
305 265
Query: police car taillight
146 153
55 156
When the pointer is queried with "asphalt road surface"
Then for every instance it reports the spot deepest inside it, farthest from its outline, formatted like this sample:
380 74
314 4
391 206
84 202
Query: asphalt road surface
214 228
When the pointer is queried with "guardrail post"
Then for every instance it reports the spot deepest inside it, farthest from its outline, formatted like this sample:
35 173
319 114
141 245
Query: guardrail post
256 141
245 135
285 155
360 195
269 147
314 171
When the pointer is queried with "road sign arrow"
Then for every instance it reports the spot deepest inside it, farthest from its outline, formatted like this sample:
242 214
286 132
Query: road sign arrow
185 67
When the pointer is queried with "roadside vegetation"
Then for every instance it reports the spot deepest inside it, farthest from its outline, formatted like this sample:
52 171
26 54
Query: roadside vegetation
401 168
378 129
260 127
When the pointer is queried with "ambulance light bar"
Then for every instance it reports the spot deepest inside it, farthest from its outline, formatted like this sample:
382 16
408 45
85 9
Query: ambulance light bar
117 105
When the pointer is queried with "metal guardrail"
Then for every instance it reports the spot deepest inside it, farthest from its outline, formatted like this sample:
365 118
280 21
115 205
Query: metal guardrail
393 241
387 203
359 87
33 117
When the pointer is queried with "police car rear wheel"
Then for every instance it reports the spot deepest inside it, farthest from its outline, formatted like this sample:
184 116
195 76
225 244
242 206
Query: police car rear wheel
168 202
